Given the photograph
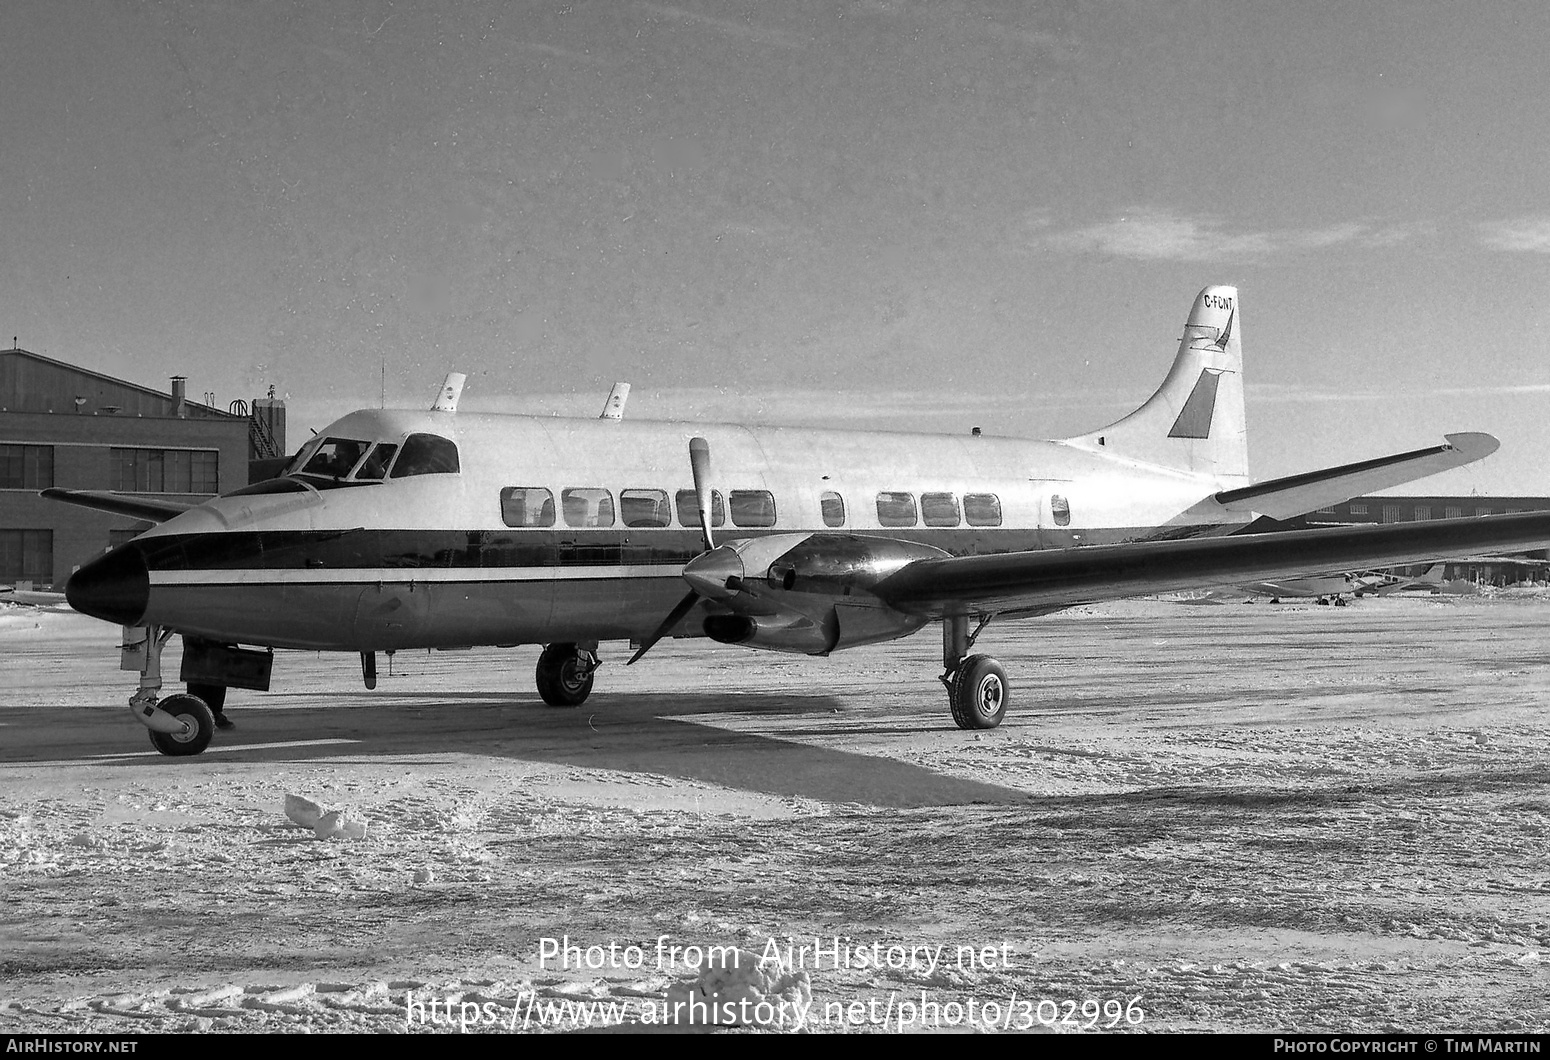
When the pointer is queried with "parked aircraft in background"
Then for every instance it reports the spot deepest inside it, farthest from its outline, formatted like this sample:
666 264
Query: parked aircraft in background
30 598
401 529
1333 588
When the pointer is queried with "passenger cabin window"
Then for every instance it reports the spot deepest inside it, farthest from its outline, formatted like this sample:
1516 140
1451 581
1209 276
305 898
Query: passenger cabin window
752 507
336 457
833 506
689 508
939 509
527 506
1060 509
982 509
375 466
645 508
426 454
896 509
587 507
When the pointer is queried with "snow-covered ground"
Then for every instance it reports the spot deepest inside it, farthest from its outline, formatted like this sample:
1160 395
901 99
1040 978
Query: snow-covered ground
1233 817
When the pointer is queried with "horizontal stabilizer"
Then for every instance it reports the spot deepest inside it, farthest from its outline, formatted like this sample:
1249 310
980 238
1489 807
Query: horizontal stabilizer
1057 578
1282 498
134 507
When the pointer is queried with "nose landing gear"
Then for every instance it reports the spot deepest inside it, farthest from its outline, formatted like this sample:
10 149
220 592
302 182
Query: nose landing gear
181 724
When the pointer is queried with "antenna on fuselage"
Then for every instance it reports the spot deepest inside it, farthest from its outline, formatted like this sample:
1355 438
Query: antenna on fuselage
451 390
613 408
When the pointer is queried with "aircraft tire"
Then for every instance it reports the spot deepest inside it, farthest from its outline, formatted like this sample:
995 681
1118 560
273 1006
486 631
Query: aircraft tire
980 694
184 705
559 677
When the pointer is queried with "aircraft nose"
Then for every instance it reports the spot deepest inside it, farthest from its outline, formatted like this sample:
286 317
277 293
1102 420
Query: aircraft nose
115 588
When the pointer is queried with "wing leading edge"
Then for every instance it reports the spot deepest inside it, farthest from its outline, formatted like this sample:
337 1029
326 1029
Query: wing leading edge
1058 578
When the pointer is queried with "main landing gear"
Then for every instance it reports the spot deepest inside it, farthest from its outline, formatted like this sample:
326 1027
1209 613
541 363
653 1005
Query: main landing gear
565 673
976 685
181 724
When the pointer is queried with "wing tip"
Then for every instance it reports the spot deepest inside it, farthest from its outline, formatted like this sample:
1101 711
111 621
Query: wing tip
1473 444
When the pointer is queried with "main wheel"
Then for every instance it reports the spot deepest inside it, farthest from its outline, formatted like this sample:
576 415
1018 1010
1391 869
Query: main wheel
189 709
980 694
564 678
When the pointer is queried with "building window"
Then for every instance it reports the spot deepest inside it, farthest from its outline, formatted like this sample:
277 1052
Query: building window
752 507
982 509
896 509
27 556
1060 508
123 537
939 509
1326 511
833 506
1422 513
527 506
26 467
1391 513
1482 511
1452 512
689 508
165 470
1358 509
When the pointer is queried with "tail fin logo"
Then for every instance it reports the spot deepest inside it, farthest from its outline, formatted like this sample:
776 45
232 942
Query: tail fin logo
1232 314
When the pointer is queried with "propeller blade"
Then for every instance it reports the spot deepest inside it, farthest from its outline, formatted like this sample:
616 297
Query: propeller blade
673 618
699 465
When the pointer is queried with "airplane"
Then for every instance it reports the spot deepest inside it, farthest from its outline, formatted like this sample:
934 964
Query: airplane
1331 588
397 529
10 594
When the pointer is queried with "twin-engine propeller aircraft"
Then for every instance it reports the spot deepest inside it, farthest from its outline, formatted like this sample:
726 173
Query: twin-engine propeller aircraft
401 529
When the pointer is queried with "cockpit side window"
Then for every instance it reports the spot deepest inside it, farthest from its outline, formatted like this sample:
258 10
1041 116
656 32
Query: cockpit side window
375 466
426 454
335 457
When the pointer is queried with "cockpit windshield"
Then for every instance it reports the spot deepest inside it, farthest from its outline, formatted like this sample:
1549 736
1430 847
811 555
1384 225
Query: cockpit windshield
335 458
375 466
426 454
346 461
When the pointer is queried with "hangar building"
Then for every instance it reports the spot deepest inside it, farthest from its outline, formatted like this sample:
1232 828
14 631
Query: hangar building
66 426
1488 570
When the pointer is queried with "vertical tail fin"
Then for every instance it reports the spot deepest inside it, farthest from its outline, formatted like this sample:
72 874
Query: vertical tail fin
1195 421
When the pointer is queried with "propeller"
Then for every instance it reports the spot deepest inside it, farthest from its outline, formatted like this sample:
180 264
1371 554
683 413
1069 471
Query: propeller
702 578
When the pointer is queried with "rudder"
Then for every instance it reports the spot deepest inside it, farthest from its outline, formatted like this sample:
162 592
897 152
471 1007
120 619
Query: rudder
1195 421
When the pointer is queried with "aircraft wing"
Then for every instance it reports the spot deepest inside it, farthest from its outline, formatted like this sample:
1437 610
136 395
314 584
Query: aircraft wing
1053 579
1282 498
134 507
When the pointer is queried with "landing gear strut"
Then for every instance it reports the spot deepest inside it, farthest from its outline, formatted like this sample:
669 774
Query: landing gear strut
976 685
180 724
565 673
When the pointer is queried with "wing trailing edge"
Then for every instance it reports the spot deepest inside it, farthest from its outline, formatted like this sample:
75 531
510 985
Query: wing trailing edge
1282 498
1057 578
134 507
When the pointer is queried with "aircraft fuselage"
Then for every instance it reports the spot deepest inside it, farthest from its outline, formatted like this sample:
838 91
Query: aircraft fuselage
431 560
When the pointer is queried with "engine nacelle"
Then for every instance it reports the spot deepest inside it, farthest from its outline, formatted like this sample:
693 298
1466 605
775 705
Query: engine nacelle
812 597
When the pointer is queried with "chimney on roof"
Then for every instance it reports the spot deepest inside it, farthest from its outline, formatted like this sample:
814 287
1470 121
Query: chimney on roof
180 396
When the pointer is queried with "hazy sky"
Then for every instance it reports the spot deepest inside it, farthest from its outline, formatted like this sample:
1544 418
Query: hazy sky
879 213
